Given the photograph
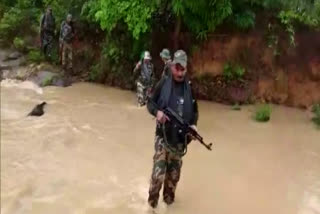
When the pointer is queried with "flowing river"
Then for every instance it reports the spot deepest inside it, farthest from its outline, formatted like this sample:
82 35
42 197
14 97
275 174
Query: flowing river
91 153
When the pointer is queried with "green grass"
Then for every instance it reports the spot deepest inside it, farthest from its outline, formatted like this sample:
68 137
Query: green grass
95 72
236 107
233 72
35 56
19 44
316 117
263 113
47 82
315 108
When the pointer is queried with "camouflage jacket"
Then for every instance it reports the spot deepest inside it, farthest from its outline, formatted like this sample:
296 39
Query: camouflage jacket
66 32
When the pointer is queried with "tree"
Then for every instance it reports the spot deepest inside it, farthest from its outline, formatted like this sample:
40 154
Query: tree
135 13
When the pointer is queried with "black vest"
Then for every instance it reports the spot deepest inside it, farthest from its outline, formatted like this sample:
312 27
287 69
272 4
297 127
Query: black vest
166 95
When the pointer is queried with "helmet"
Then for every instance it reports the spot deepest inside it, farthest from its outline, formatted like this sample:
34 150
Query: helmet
69 17
180 57
165 53
147 55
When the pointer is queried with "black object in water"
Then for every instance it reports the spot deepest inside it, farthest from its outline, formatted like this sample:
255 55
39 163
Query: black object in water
38 110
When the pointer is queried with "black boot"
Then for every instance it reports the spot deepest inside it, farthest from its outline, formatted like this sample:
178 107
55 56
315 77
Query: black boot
153 201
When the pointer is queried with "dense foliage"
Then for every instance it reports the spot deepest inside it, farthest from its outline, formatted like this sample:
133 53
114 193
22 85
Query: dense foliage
200 17
128 24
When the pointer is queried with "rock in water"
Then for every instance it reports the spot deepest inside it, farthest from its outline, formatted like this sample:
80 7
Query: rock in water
38 110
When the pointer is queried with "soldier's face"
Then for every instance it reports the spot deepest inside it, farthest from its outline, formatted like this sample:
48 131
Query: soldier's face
49 11
178 72
146 61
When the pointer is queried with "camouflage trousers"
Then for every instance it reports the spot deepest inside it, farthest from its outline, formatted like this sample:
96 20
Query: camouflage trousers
67 55
47 43
143 89
166 170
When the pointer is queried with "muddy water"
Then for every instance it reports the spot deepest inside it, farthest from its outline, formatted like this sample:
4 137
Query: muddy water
91 153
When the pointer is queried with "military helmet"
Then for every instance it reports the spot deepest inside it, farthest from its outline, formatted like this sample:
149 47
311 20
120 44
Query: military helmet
69 17
147 55
180 57
49 8
165 54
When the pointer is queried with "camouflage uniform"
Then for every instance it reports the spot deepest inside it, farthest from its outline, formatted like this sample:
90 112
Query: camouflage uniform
166 170
67 55
145 81
66 38
166 57
47 27
170 141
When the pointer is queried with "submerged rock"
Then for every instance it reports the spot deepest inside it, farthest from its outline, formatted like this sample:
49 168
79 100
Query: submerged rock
38 110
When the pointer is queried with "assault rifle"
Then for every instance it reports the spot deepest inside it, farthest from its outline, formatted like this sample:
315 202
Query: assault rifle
184 127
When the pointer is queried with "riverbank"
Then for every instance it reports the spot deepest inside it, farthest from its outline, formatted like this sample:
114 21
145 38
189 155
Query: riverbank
296 88
92 153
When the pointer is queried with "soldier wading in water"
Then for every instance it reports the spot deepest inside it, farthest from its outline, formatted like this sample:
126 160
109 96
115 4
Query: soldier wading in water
172 91
146 78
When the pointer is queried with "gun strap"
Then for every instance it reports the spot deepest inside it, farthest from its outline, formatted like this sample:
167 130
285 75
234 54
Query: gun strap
169 147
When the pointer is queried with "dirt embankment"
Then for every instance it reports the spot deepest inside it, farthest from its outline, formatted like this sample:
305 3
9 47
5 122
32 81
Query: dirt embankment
291 77
282 74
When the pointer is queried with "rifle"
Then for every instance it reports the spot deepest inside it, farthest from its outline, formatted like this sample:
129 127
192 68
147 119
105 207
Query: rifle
183 126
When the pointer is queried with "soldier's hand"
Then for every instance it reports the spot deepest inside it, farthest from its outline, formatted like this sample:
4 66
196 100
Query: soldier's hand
161 117
194 127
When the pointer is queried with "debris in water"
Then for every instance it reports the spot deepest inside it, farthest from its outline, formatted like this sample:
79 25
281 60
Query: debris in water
38 110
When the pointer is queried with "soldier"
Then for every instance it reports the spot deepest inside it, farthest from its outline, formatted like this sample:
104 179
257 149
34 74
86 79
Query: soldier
172 91
47 31
146 79
66 39
166 58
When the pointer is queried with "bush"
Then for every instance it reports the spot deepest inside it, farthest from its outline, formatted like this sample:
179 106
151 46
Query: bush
18 21
245 20
35 56
315 108
236 107
316 117
95 73
263 113
233 72
47 81
10 23
2 9
19 44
